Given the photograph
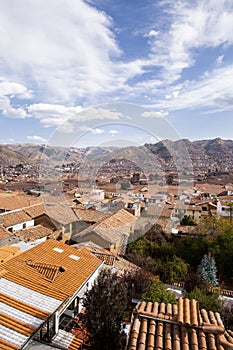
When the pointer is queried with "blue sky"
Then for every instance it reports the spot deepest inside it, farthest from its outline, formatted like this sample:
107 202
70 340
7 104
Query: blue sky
59 58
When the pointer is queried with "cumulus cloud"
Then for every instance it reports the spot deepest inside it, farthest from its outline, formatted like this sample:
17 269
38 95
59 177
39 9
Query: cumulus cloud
36 138
152 33
97 131
52 115
154 114
8 91
113 132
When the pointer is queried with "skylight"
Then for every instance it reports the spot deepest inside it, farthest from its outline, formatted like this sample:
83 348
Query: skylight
75 257
58 250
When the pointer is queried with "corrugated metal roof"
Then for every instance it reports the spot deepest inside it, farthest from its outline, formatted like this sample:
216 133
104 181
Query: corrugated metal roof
11 336
20 315
32 297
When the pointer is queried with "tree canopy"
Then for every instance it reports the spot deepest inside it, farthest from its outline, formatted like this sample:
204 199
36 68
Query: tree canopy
105 305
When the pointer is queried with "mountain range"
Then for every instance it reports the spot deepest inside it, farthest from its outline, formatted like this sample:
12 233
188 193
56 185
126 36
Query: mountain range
216 153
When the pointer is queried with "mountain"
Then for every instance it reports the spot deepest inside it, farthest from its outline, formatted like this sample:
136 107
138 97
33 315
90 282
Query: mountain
215 154
203 154
9 156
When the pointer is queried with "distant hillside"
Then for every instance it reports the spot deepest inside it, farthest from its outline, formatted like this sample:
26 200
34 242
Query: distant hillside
10 157
204 154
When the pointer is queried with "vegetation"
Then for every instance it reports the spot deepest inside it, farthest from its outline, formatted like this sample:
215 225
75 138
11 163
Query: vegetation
157 292
187 220
173 259
207 301
207 270
106 304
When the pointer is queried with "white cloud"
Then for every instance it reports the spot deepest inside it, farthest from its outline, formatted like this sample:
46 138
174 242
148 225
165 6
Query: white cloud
9 90
219 59
36 138
66 46
214 90
52 115
97 131
152 33
154 114
113 132
11 112
206 23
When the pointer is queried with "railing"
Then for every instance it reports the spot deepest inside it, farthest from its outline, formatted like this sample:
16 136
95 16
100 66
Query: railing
220 291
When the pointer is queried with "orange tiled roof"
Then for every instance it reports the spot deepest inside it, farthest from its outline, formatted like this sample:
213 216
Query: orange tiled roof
121 218
35 210
7 253
35 283
4 233
14 217
177 327
54 253
11 201
33 233
90 215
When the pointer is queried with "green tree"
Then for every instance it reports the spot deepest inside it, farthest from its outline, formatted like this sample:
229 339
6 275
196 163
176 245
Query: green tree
222 250
106 304
171 270
188 221
191 249
210 302
207 270
230 209
157 292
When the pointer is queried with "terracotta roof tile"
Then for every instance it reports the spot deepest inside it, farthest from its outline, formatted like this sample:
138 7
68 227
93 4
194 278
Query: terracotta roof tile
35 283
90 215
14 217
11 201
34 233
182 327
35 210
4 233
54 253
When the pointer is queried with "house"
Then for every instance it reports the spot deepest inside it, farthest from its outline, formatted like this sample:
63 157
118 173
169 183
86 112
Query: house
223 207
63 218
193 211
37 288
172 327
116 263
39 214
87 217
111 233
12 201
16 220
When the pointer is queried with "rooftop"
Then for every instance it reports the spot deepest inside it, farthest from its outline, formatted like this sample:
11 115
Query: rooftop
14 217
35 283
177 327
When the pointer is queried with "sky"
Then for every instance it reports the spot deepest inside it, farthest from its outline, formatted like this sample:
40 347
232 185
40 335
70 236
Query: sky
115 72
